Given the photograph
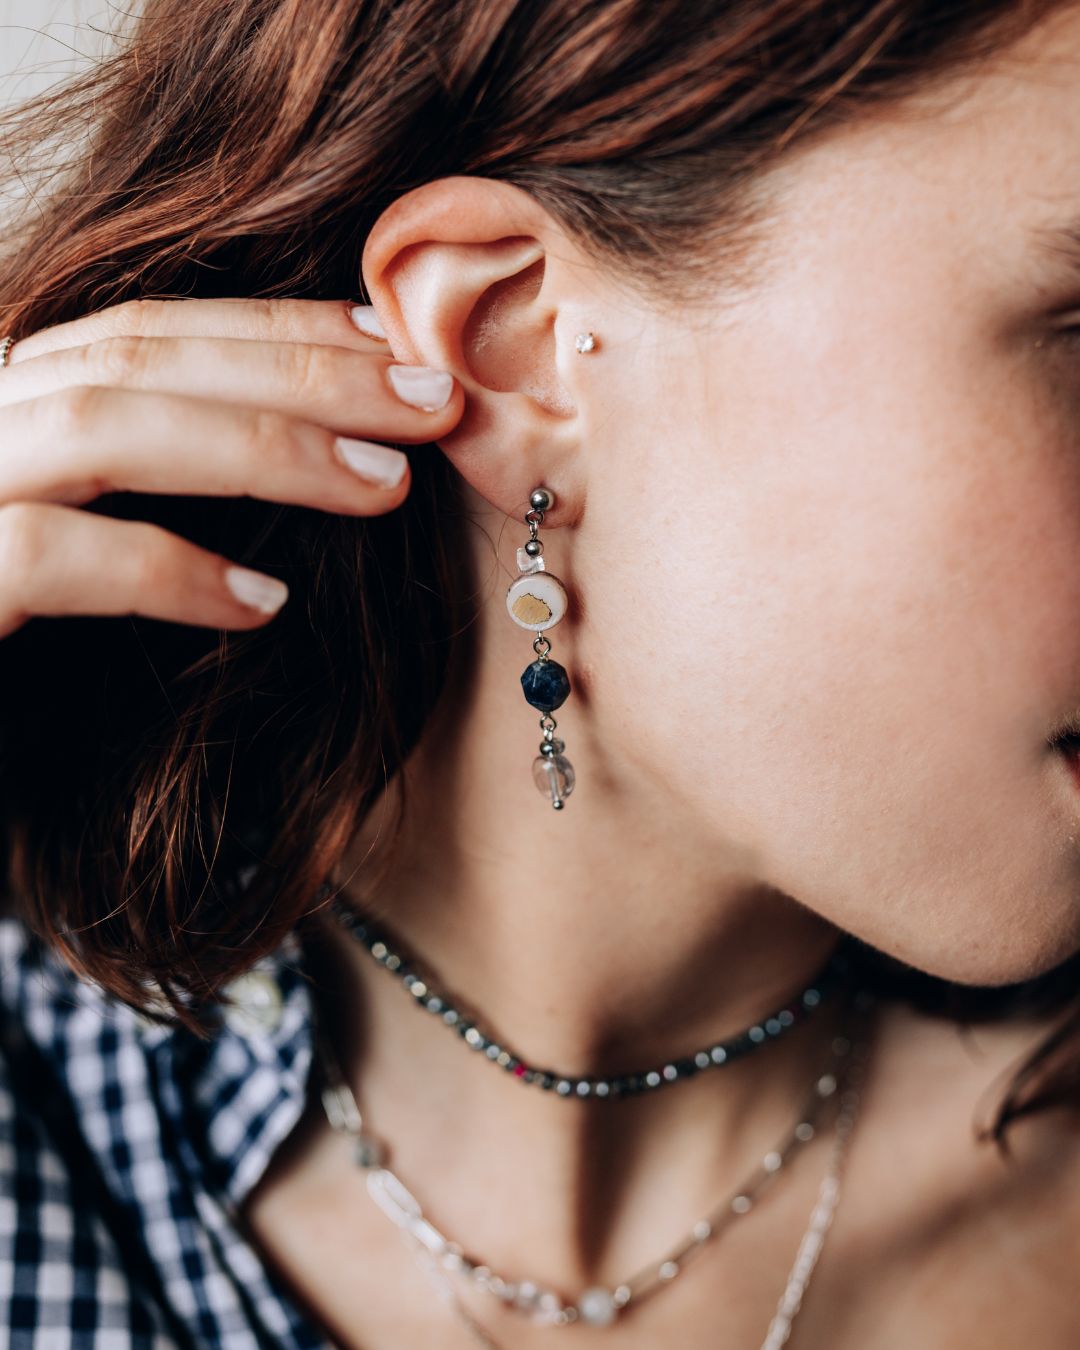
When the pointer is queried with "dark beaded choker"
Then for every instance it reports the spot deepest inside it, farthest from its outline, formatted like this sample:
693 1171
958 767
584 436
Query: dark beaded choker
386 953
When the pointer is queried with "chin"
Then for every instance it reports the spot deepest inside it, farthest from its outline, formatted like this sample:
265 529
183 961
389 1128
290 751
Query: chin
988 958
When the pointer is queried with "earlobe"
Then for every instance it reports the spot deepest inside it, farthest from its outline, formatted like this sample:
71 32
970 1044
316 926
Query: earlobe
458 272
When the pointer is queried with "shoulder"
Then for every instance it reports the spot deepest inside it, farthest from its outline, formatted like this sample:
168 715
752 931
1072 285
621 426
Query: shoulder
59 1237
123 1147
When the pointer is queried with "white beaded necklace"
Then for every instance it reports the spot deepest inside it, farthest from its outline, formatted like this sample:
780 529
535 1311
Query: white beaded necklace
598 1306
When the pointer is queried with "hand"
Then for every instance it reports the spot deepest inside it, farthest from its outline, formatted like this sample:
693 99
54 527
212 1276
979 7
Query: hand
258 398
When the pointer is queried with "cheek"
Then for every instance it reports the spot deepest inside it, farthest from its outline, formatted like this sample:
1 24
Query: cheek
837 633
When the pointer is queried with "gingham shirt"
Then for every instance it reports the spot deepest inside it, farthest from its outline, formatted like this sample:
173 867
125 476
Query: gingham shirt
125 1150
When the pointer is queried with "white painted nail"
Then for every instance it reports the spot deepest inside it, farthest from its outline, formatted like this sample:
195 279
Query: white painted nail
377 463
367 321
255 589
421 387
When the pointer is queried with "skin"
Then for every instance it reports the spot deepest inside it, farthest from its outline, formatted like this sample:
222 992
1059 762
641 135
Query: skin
218 397
820 542
819 539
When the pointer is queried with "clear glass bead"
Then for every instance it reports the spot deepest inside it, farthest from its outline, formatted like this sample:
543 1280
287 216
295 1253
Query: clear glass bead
554 776
527 563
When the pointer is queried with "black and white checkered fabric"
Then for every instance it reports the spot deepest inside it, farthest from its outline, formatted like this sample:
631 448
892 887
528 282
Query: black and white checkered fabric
125 1151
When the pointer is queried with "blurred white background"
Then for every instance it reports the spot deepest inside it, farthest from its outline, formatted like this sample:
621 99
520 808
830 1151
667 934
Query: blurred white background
43 40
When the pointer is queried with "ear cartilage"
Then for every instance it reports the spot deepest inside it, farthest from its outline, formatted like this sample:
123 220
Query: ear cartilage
585 342
537 600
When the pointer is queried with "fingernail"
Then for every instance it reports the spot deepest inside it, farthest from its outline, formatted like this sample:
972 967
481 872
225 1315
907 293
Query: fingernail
256 590
367 321
377 463
422 387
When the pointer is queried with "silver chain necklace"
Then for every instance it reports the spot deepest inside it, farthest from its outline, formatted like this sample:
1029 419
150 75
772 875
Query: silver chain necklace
799 1277
599 1306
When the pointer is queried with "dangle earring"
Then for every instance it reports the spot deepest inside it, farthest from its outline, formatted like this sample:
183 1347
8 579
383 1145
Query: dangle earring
537 601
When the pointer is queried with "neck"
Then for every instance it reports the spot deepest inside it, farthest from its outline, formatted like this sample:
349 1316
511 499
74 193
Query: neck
662 957
591 984
605 938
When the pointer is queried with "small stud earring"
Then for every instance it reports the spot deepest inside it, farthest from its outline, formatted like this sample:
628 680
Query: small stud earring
537 600
585 342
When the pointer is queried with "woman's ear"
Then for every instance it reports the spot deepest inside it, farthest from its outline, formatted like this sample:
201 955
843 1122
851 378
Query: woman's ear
463 274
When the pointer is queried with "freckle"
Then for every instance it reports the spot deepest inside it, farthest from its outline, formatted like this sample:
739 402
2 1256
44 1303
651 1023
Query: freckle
531 609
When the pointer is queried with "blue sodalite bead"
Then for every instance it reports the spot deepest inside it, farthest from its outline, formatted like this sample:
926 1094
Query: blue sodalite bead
546 685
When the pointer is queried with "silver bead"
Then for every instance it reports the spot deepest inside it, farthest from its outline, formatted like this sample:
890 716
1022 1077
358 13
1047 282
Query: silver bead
367 1152
597 1307
541 499
548 1308
527 1294
534 548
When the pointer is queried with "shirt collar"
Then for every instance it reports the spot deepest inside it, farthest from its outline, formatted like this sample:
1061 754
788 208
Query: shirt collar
235 1097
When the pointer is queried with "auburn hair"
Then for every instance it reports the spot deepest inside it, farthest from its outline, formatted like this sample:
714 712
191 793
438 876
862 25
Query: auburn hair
171 797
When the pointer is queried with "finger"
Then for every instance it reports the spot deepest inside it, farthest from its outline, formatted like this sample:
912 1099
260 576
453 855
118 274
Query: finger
328 322
138 569
75 444
356 393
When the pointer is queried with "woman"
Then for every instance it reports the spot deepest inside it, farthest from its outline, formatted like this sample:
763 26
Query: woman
756 326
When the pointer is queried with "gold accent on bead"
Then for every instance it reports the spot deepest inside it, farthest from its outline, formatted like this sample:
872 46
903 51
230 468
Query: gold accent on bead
531 609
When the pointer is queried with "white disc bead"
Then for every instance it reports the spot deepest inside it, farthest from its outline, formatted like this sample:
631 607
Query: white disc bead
536 601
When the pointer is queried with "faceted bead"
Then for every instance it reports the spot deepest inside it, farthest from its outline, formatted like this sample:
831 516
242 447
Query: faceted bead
367 1152
554 776
597 1307
546 685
